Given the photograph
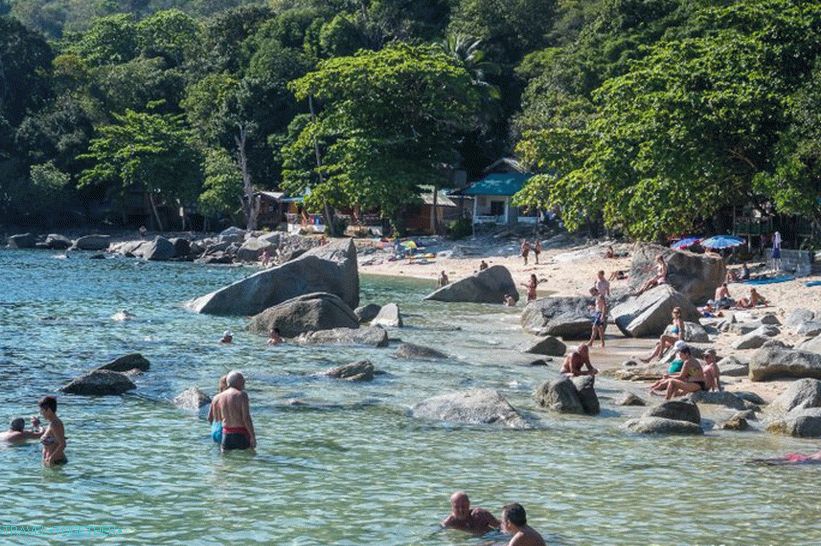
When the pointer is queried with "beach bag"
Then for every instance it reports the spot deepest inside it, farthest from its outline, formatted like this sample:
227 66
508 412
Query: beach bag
216 431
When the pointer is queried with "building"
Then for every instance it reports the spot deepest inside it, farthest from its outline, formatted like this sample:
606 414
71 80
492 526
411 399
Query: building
493 195
432 214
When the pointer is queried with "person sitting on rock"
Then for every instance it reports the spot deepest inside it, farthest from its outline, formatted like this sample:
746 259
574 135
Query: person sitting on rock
275 338
754 300
722 298
477 520
227 337
673 333
712 375
17 433
673 372
573 362
483 266
442 280
514 522
691 378
661 275
531 287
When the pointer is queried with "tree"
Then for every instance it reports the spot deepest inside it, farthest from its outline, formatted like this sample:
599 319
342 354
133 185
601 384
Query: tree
25 61
111 39
170 34
138 82
154 151
222 185
388 123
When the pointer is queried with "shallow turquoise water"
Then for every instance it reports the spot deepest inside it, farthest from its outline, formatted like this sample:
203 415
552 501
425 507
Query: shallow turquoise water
351 467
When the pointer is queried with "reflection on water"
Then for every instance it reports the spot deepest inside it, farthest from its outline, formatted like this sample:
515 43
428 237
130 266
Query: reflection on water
346 465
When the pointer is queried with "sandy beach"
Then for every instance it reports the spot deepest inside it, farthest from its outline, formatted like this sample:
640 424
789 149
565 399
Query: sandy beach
570 270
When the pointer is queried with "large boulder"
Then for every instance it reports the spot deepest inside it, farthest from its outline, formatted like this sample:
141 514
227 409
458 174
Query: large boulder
548 345
232 234
367 313
750 341
329 268
650 313
21 240
800 422
100 383
695 333
560 395
252 249
812 345
488 286
373 336
92 242
677 410
389 317
695 275
565 317
473 407
132 361
307 313
587 394
361 370
182 247
733 367
660 425
804 393
191 399
55 241
777 362
412 351
797 317
158 250
809 329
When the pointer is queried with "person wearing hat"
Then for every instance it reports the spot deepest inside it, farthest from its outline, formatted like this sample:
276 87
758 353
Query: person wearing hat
227 337
690 379
673 372
712 375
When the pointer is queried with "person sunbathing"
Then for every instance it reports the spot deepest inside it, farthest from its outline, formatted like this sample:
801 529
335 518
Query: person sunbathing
671 335
754 300
722 299
673 372
691 378
661 275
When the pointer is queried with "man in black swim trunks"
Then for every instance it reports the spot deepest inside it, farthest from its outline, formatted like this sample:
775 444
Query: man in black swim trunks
234 409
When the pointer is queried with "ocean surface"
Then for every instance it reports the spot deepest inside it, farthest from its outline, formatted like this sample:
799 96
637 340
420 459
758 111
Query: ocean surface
350 466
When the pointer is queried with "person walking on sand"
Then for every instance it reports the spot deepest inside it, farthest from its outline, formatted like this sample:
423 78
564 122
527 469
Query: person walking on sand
477 521
531 287
537 249
233 407
599 318
514 522
525 249
53 437
443 279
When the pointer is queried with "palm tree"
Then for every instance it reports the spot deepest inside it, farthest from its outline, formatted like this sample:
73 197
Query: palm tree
465 50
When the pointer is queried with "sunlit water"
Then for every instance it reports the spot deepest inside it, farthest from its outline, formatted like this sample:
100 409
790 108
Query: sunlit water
351 466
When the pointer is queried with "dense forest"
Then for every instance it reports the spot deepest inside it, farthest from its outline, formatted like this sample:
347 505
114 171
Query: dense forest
646 116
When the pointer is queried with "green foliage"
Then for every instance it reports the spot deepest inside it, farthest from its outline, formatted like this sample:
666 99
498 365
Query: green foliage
222 185
25 58
111 39
169 34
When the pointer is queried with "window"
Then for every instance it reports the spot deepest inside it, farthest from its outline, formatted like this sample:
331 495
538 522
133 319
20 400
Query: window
497 208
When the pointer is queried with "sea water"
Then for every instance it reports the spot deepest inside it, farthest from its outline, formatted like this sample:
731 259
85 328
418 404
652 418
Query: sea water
349 465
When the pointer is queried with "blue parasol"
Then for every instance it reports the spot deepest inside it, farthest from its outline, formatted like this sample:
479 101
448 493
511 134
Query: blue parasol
722 241
687 242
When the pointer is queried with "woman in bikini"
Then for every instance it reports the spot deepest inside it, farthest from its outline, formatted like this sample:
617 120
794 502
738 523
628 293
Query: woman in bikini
691 378
531 287
661 275
754 299
673 333
53 437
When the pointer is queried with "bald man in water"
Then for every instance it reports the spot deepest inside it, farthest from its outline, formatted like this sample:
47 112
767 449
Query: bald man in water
233 407
477 521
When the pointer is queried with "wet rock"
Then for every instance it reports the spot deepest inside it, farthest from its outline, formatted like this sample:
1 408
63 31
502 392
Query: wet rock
630 399
720 398
159 249
474 407
773 362
800 422
548 346
55 241
565 317
367 313
389 317
559 395
731 366
649 313
488 286
307 313
192 399
749 415
330 268
361 370
412 351
100 383
539 362
127 362
735 423
21 240
802 393
373 336
660 425
677 410
587 394
92 242
695 275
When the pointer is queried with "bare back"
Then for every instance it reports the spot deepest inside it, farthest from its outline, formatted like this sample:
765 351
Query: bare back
527 536
232 407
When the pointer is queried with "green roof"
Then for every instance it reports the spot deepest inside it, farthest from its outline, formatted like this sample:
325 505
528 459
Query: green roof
498 184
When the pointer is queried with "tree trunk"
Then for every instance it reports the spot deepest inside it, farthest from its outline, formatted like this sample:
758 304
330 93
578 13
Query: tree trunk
435 216
154 210
250 205
328 211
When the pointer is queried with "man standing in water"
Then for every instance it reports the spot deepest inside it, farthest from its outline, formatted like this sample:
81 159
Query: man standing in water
233 407
477 521
514 521
53 437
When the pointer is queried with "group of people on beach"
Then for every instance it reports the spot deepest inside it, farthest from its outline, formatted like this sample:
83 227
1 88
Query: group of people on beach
525 249
479 521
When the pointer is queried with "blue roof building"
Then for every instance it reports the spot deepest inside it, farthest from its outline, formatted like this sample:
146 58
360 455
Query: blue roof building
493 194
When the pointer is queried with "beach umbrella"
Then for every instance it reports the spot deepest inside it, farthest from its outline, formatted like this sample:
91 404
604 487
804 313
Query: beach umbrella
410 245
687 242
722 241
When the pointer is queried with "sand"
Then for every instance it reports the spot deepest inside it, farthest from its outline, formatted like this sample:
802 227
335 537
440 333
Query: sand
570 270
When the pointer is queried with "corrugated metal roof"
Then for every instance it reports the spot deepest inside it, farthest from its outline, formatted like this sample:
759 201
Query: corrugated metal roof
498 184
442 201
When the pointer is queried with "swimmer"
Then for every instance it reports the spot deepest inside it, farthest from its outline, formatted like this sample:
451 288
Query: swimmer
275 338
214 415
477 521
122 315
17 433
514 522
509 301
227 337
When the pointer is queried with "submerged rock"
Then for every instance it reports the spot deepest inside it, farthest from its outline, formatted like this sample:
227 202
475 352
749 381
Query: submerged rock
735 422
361 370
127 362
306 313
473 407
192 399
100 383
488 286
374 336
413 351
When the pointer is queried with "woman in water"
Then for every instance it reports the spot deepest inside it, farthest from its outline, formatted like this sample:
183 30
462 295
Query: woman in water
531 287
53 437
661 275
673 333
